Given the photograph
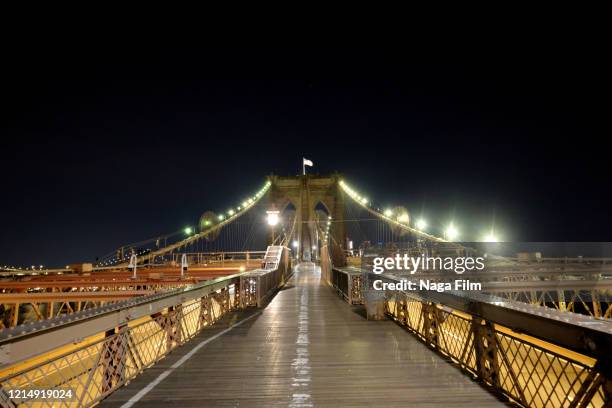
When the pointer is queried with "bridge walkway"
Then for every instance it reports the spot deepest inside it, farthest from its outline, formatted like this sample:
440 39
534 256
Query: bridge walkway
306 348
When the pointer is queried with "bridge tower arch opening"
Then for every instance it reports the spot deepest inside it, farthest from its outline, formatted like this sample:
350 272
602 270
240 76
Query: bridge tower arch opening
312 195
321 217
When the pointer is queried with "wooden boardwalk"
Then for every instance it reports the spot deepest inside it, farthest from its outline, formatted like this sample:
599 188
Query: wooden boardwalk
307 348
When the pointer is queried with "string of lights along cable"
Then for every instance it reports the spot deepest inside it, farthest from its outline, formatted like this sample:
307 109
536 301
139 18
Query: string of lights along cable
400 217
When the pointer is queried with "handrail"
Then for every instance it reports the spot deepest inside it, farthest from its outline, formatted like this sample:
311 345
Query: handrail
581 333
23 341
537 357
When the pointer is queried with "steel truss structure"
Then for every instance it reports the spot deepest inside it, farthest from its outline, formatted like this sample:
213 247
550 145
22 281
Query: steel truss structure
95 352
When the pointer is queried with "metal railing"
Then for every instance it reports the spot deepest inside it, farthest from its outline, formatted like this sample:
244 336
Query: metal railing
348 284
193 258
586 291
218 258
533 357
529 371
95 352
259 285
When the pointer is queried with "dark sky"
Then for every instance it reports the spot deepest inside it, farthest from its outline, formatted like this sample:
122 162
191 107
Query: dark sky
101 148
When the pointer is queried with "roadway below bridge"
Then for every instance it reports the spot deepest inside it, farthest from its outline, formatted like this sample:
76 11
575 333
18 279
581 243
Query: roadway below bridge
306 348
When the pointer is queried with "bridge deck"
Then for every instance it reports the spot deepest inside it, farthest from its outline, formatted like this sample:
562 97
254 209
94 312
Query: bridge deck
306 348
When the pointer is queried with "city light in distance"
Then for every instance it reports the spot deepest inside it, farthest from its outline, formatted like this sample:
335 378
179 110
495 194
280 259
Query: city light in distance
421 224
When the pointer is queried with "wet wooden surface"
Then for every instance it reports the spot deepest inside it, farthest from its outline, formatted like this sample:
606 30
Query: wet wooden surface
307 348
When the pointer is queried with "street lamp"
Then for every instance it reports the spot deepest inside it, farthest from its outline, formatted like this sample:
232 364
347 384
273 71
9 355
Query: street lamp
421 224
273 219
451 233
491 237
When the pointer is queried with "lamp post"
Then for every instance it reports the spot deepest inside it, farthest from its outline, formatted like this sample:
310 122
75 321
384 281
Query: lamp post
273 219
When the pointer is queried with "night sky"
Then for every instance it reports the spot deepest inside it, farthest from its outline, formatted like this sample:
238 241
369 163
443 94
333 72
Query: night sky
104 149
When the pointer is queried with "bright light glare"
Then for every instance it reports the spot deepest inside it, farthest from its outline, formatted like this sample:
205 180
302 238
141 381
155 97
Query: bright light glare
272 218
388 213
451 233
421 224
490 237
188 230
295 244
403 218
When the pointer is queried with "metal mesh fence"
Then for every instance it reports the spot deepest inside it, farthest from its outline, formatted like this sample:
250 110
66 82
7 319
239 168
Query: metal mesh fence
529 371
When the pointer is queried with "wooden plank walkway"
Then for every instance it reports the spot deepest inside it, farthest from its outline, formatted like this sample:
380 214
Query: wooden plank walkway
307 348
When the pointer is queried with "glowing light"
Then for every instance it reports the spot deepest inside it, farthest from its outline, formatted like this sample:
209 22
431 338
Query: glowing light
490 237
421 224
296 244
364 200
231 212
403 218
451 232
242 269
389 213
244 204
221 217
272 218
207 223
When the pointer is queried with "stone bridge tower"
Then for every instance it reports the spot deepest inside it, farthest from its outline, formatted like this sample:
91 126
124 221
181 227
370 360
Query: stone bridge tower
305 193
